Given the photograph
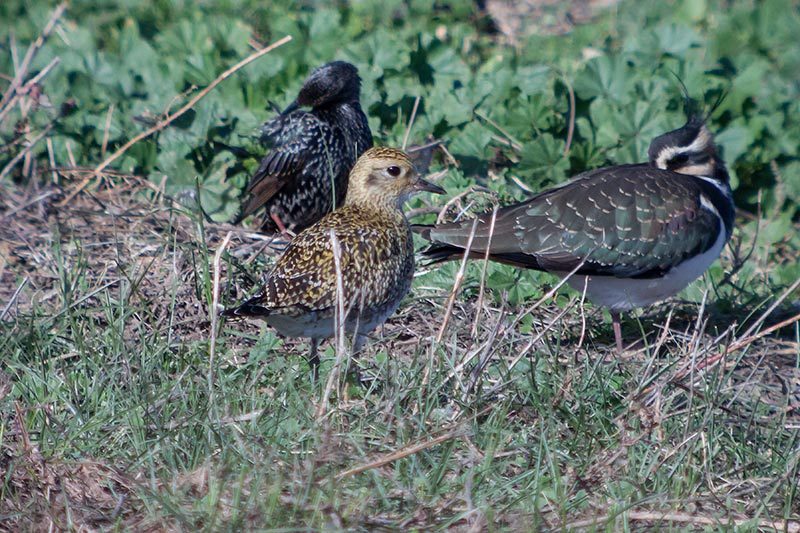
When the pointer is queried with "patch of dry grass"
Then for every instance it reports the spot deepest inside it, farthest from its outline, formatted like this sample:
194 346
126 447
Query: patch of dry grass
521 422
477 414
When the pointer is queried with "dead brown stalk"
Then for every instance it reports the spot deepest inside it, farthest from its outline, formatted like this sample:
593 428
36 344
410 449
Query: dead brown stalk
400 454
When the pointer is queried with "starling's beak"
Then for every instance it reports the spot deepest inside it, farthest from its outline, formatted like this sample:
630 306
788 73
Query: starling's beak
426 186
294 105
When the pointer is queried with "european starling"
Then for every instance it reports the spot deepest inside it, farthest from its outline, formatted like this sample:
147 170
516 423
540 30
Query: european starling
632 234
376 260
304 175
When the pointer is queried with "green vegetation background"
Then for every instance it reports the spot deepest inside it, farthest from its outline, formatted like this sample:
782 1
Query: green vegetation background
125 63
140 59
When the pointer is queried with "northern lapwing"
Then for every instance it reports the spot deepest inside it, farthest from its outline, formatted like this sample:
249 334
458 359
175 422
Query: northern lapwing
631 235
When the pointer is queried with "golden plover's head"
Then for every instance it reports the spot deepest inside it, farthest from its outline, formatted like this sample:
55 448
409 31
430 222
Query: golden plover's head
385 176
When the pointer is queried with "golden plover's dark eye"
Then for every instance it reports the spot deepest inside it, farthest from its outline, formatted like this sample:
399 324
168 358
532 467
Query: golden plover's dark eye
393 171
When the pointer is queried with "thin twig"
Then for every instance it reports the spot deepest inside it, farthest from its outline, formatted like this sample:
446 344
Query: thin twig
432 144
486 355
25 89
763 333
25 151
43 196
515 144
33 49
399 454
571 123
411 122
171 118
167 121
522 353
455 200
748 337
41 74
456 284
14 298
212 349
771 308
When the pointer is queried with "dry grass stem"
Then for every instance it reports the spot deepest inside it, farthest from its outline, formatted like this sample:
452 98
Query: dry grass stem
52 159
411 122
340 319
571 121
214 314
448 308
522 353
22 69
13 297
514 142
43 196
26 151
748 337
486 355
107 130
482 289
702 521
400 454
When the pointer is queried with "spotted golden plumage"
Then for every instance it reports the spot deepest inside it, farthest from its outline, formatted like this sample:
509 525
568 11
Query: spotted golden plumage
376 259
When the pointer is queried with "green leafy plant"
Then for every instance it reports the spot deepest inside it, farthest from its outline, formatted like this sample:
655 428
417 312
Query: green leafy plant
513 416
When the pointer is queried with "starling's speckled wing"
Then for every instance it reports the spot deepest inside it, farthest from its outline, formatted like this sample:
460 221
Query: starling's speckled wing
293 138
624 221
376 264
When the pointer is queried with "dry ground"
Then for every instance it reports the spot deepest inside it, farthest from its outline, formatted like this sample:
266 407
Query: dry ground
121 231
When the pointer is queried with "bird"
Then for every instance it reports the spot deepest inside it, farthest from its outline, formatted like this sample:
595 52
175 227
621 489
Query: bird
375 264
629 235
304 174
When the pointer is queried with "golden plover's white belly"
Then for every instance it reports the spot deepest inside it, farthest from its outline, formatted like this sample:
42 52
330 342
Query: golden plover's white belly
321 325
317 325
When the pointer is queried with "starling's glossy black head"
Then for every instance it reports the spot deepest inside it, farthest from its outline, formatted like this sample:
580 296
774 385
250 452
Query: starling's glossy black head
687 150
329 84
